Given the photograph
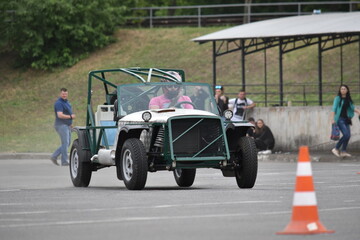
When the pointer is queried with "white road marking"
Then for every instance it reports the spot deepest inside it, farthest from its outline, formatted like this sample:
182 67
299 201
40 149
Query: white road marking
354 181
156 218
11 204
9 190
215 203
343 186
349 165
136 207
337 209
26 213
271 173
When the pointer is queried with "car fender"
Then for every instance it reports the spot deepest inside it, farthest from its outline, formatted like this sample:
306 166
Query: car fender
126 132
82 137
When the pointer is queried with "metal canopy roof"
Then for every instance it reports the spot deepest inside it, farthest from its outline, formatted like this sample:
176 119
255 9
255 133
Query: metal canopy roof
315 25
327 31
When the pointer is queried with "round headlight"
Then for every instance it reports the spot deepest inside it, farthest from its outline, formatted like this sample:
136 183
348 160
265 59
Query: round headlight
228 114
146 116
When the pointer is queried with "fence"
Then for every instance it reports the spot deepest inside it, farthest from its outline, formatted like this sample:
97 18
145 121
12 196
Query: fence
242 13
294 94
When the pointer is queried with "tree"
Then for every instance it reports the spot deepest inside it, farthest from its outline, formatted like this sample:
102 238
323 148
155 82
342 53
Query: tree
49 33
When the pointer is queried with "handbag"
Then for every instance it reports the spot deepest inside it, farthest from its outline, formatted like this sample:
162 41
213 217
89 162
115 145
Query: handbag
335 132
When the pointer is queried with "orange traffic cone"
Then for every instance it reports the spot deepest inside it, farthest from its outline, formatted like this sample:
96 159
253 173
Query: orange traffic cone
305 219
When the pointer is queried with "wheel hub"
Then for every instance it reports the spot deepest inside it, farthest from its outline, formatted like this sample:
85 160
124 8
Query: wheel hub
74 163
127 165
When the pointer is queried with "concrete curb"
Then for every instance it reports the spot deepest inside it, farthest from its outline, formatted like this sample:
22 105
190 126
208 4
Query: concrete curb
320 156
314 157
18 156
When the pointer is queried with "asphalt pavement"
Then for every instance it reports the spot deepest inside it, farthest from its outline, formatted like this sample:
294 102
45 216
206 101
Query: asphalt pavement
316 156
38 201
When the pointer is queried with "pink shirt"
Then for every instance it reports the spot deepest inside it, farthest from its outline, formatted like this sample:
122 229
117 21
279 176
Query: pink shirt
164 102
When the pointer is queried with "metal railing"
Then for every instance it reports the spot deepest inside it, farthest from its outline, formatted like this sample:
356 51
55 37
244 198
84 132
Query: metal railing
294 94
249 12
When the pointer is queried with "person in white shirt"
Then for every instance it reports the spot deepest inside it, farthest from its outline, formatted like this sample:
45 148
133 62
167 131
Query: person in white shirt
240 106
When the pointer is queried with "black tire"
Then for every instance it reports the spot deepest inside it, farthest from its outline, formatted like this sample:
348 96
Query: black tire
80 165
133 164
184 177
246 170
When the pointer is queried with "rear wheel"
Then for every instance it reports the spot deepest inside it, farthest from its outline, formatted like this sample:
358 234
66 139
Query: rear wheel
133 164
246 170
80 165
184 177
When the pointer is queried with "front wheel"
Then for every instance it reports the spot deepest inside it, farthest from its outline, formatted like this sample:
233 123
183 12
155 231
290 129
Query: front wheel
80 165
133 164
184 177
246 169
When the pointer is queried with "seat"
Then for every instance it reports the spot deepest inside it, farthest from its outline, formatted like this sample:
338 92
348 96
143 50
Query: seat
104 117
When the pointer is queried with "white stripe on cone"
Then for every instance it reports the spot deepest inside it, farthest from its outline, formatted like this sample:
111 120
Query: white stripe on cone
304 169
304 199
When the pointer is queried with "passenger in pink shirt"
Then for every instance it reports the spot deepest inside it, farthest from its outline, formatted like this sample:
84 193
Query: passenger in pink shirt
172 96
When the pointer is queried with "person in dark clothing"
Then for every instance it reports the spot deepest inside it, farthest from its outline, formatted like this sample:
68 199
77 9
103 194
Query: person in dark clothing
199 98
63 121
264 139
251 130
221 100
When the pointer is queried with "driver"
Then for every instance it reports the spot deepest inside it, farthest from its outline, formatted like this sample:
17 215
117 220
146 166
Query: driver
172 95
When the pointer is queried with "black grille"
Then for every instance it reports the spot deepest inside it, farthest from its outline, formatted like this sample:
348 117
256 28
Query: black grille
198 133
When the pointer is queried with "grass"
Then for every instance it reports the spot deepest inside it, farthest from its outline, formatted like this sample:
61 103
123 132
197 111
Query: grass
27 96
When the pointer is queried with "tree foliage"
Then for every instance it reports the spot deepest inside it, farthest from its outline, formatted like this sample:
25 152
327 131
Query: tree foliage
49 33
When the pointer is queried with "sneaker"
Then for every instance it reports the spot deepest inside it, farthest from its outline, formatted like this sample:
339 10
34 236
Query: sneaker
267 152
65 164
54 161
335 152
345 154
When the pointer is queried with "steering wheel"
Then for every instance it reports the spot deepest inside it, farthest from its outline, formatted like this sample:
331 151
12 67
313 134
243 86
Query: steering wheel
185 102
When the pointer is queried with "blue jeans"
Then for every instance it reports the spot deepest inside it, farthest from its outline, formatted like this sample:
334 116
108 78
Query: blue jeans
65 137
345 130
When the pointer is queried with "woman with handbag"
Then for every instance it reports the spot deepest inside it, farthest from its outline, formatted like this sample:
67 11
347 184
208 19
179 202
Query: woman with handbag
342 112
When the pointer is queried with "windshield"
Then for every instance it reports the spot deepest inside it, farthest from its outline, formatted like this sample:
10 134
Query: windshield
139 97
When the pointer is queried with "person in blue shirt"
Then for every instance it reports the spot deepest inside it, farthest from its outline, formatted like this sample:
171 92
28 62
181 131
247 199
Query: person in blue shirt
63 122
342 112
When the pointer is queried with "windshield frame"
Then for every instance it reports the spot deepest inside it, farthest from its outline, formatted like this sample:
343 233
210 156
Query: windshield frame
155 89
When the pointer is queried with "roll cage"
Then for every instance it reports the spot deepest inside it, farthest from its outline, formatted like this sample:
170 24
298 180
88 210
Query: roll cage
150 78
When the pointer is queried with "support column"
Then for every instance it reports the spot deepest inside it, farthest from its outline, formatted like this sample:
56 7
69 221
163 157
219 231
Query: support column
320 71
341 62
214 64
151 18
199 17
281 88
265 76
243 64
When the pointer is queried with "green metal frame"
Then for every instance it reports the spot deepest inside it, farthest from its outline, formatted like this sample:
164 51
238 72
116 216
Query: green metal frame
210 161
137 73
